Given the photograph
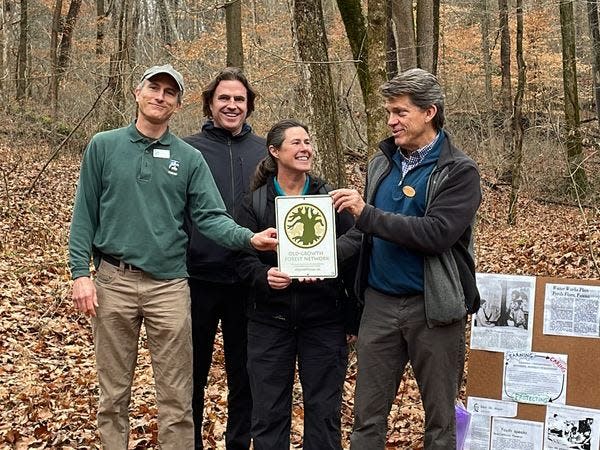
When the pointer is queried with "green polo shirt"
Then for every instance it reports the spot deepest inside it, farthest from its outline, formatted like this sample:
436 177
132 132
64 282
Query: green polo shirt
132 196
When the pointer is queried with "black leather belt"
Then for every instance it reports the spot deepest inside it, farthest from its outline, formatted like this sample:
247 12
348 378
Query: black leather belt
117 262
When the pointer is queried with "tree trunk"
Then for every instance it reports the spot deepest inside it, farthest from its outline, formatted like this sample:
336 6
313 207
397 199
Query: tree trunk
517 122
505 169
68 28
233 24
403 19
118 62
436 36
21 70
376 34
54 32
165 28
485 51
425 34
505 91
571 100
100 27
391 60
592 10
356 30
310 41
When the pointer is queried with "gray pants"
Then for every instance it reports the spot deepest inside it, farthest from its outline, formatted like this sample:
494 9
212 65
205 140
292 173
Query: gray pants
393 332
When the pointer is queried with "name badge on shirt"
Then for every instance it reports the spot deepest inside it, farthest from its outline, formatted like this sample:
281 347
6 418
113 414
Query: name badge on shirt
164 153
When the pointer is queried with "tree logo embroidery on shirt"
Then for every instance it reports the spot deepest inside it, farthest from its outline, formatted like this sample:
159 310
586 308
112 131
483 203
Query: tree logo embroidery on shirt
305 225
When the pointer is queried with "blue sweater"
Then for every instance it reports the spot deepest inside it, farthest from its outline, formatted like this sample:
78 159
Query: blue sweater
398 270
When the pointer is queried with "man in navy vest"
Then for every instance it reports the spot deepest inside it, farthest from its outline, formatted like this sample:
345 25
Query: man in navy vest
416 276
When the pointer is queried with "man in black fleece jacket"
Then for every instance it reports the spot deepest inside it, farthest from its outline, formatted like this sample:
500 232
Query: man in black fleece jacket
232 151
416 275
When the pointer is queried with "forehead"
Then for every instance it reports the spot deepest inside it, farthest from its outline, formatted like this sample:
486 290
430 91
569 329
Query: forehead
230 87
295 133
399 102
164 80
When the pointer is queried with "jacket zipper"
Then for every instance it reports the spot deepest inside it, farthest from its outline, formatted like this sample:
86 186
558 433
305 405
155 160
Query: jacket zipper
233 205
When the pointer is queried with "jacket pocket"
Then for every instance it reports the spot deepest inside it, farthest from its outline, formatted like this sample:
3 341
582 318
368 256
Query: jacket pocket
443 292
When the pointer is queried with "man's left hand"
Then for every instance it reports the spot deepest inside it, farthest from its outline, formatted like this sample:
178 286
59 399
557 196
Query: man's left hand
265 240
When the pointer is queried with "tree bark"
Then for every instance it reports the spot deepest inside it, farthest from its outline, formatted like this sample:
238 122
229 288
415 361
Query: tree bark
436 36
21 69
571 99
118 62
505 169
100 27
485 51
505 91
54 32
403 19
310 41
517 122
376 35
67 36
592 10
233 25
391 60
356 30
425 33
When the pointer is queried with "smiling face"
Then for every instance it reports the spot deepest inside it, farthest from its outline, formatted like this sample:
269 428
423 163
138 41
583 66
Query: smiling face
229 106
158 99
295 155
411 126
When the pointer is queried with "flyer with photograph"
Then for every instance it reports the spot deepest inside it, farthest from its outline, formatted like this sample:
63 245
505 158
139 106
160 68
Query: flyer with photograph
482 410
570 427
504 321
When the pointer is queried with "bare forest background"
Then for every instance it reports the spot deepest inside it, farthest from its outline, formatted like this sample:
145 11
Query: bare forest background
522 84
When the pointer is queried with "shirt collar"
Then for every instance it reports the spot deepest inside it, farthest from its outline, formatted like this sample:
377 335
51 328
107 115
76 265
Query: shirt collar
418 155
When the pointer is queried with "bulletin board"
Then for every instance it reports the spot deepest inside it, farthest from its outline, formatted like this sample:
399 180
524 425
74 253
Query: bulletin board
485 368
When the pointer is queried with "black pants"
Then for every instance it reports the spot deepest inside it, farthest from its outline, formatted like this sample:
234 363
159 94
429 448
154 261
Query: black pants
322 356
212 302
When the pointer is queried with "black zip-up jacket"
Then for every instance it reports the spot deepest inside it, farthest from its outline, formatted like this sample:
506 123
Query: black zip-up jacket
300 304
232 161
444 235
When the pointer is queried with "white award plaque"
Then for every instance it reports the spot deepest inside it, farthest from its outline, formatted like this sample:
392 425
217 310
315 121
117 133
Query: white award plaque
306 234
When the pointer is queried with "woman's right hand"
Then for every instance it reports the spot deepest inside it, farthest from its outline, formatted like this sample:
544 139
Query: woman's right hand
277 279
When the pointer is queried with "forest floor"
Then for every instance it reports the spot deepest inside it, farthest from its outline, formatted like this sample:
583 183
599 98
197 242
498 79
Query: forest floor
48 389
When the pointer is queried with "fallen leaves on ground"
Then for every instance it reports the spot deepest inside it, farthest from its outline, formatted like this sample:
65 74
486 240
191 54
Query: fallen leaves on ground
49 390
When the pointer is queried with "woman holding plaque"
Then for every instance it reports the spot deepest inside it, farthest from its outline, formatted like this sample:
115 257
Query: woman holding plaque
308 320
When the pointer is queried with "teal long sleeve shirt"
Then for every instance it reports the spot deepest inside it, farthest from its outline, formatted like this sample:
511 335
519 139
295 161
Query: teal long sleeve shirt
132 196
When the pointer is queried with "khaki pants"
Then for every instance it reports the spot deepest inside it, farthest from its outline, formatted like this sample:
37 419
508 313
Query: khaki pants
125 299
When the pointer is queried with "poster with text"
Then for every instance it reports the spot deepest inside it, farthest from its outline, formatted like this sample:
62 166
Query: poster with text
572 310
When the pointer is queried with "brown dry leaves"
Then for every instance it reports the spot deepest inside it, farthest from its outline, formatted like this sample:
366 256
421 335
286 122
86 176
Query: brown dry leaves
49 391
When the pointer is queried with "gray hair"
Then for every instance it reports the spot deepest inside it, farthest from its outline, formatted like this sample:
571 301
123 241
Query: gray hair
421 87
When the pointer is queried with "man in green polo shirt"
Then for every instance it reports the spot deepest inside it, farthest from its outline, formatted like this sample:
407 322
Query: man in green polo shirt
135 187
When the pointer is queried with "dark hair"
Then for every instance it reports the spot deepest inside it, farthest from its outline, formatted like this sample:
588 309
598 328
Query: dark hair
275 138
230 74
422 88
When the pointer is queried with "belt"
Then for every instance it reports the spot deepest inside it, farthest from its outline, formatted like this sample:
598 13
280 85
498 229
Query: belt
117 262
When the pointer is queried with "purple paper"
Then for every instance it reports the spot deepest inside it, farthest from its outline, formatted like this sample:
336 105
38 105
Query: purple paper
463 418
